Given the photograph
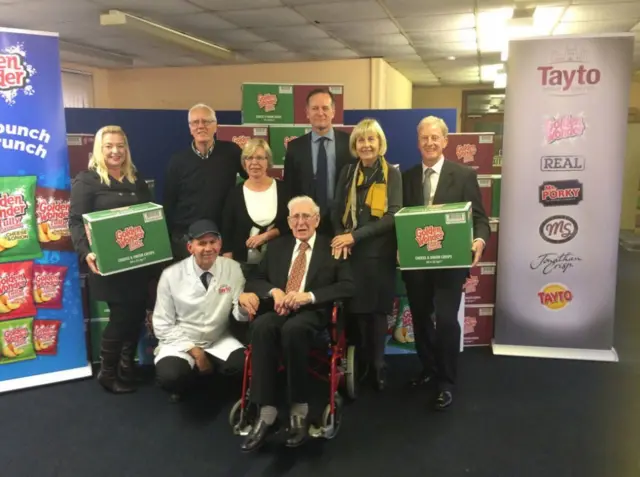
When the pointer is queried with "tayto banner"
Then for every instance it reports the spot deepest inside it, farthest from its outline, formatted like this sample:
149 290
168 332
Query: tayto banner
557 259
42 337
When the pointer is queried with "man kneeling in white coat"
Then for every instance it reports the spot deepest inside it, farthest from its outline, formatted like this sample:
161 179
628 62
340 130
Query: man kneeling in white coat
191 317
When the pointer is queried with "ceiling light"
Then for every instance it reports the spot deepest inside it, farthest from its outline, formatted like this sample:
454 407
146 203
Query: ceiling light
488 73
75 53
451 58
126 20
500 81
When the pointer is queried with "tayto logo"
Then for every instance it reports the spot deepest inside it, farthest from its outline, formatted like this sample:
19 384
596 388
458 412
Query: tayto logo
132 237
558 229
562 163
466 152
431 236
559 128
288 139
549 262
15 73
555 296
267 102
568 80
560 193
240 140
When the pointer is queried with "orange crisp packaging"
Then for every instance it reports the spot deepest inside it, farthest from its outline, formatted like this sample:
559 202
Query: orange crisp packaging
45 336
16 341
48 284
18 236
16 297
52 214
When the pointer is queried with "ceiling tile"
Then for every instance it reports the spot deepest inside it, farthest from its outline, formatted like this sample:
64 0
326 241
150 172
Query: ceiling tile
295 3
406 8
446 49
265 46
302 32
312 43
274 17
449 36
261 56
195 22
384 50
600 2
593 27
437 22
405 60
618 11
395 39
333 54
236 38
361 28
228 5
149 7
441 66
349 11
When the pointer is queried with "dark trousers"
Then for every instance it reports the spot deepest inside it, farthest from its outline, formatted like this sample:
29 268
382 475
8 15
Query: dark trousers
437 347
291 337
125 321
175 375
372 332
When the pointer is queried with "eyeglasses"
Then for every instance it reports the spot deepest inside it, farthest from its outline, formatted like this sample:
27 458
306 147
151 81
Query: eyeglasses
294 219
203 122
255 158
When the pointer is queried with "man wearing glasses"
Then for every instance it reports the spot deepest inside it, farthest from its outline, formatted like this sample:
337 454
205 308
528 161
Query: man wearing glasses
199 178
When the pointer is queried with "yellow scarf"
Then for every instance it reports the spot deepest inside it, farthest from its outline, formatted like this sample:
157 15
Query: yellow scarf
376 196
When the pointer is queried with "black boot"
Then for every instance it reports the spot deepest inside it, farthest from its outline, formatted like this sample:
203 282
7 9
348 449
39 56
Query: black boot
108 375
127 365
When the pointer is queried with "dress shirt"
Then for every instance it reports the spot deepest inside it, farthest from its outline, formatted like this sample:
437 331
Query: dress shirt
308 254
330 145
202 156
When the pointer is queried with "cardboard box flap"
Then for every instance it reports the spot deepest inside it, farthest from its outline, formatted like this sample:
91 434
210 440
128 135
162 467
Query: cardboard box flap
133 209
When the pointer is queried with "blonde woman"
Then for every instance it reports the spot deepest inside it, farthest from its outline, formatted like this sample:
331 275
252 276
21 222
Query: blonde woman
255 211
368 195
112 181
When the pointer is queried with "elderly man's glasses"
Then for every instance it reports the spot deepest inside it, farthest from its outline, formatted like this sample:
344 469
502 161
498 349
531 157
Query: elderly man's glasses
294 219
201 122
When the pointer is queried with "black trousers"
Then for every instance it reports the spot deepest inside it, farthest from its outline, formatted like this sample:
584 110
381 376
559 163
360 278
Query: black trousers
125 320
371 339
175 375
291 337
437 347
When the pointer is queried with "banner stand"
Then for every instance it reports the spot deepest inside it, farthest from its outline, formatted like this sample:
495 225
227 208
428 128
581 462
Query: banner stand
554 353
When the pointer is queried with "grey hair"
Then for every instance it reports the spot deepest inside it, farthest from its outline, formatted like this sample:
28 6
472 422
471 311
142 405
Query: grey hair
202 106
434 121
303 198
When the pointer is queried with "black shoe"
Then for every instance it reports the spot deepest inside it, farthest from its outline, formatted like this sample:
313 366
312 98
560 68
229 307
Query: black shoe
421 381
380 381
256 437
444 400
127 366
298 431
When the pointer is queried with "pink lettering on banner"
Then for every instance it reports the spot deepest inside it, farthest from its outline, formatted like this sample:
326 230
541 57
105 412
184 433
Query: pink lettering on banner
132 237
564 127
431 236
267 102
551 192
566 79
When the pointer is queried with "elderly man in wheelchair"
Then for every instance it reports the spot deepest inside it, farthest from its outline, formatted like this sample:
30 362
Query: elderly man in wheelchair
300 281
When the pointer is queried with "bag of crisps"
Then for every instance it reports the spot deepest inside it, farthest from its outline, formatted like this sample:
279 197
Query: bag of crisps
18 229
16 297
48 285
52 214
403 332
45 336
16 341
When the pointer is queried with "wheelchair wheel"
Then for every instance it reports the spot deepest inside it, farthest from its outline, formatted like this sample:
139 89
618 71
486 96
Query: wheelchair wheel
351 373
329 428
240 421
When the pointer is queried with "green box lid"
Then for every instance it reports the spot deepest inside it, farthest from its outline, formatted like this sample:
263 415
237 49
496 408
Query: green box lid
132 209
435 209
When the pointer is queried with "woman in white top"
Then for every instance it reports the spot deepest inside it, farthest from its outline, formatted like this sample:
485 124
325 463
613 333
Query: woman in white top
256 210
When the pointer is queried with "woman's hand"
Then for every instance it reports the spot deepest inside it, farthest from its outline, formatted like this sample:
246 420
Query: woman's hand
343 240
340 252
256 241
91 261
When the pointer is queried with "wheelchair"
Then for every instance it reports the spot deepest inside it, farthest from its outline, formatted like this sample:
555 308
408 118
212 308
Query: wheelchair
331 360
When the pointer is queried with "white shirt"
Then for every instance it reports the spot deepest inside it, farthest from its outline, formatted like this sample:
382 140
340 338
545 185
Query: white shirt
434 177
262 208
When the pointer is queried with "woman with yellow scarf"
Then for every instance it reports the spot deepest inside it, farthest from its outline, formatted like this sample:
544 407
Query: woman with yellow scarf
368 194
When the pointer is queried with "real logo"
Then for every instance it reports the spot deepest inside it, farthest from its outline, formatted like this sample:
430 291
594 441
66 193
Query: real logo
553 193
558 229
555 296
562 163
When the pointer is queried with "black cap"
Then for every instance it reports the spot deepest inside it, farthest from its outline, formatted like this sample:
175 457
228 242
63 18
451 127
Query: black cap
202 227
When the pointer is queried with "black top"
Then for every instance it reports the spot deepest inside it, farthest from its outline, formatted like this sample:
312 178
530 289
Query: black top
237 224
197 188
89 194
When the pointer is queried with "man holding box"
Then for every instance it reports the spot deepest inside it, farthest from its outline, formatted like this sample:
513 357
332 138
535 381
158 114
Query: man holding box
436 181
191 317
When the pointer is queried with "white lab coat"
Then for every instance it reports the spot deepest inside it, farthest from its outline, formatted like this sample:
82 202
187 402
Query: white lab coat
187 315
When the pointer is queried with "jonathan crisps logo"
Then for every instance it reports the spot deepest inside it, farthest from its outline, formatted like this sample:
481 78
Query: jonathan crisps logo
267 102
555 296
431 237
240 140
560 128
131 237
15 73
288 139
466 152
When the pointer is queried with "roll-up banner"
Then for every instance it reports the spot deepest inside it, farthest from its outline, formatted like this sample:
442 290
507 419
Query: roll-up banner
42 338
565 128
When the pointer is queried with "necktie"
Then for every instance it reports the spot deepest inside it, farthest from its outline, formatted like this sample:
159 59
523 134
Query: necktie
298 269
426 185
204 278
322 181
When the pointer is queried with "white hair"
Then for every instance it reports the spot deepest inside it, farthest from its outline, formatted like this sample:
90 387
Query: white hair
303 198
203 106
434 121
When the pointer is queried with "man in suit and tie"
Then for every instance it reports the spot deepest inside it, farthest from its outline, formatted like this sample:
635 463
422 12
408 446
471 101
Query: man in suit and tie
304 280
437 181
313 162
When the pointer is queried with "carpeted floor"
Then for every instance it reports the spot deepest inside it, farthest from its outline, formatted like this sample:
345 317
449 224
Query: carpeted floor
512 418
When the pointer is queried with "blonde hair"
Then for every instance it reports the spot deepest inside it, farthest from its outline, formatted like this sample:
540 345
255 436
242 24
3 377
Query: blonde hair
97 163
364 127
252 145
434 121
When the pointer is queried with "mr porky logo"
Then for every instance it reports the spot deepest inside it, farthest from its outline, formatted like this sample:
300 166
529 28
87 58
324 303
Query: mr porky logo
555 296
568 73
15 73
466 152
131 237
240 140
430 236
267 102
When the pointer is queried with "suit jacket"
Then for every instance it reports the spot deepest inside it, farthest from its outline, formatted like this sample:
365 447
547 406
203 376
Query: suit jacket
327 278
457 183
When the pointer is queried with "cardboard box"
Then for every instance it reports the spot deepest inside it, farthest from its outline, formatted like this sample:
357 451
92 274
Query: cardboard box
267 103
491 250
486 191
480 287
276 172
280 137
437 236
495 193
478 325
128 237
241 134
471 149
300 92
